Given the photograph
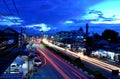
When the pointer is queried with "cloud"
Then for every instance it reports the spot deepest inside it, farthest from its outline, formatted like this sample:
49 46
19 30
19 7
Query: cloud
10 20
39 27
107 12
69 22
95 17
100 13
106 22
98 17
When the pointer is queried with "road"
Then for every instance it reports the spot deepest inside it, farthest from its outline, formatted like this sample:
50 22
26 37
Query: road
91 62
55 67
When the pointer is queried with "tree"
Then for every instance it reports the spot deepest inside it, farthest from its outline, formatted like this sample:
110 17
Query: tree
68 40
2 36
97 36
80 29
89 41
110 35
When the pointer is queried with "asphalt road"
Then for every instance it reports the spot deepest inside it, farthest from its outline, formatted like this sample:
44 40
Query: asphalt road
55 67
97 65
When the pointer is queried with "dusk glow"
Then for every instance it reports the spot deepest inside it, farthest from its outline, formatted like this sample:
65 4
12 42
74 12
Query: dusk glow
59 15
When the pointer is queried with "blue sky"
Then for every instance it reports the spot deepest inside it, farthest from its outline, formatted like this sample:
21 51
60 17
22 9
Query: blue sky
56 15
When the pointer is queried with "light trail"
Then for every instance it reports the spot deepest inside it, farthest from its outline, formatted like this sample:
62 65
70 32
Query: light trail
95 62
99 63
45 62
75 72
54 65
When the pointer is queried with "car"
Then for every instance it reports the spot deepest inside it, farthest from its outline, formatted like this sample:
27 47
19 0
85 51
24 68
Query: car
14 68
37 62
33 55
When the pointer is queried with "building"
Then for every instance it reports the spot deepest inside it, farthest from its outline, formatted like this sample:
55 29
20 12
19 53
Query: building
11 35
109 52
70 36
71 39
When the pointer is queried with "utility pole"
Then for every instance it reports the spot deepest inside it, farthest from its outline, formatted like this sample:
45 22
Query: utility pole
21 36
87 27
87 49
42 35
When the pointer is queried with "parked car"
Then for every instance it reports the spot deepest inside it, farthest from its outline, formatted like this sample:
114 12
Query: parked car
37 62
14 68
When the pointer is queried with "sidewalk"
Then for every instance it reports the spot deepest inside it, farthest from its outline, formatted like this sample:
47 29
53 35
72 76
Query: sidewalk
27 66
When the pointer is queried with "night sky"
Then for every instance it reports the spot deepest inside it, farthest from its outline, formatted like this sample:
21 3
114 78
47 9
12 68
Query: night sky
51 16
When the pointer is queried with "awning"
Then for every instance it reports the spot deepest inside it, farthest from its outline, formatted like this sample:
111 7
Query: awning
19 60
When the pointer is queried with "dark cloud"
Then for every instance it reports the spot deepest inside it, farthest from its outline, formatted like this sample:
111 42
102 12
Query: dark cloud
47 11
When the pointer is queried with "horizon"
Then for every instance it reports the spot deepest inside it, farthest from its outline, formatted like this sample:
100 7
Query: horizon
92 29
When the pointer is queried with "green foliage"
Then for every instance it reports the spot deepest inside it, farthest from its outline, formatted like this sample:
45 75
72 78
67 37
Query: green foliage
110 35
89 41
97 36
99 75
78 62
81 29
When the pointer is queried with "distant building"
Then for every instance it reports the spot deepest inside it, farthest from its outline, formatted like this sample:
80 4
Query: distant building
1 36
108 51
10 34
74 35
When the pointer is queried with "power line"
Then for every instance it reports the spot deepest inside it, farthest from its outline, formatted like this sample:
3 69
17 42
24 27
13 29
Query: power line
22 29
7 7
5 10
16 8
4 15
9 10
